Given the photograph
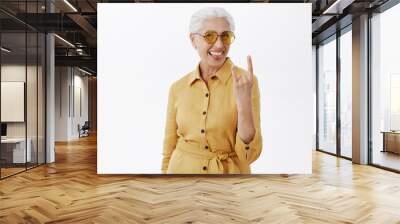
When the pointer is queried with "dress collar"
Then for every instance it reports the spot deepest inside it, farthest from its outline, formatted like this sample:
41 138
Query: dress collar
222 74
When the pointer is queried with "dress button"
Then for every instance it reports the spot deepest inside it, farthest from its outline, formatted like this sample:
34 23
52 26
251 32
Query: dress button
202 130
247 147
214 77
206 94
204 113
206 147
204 168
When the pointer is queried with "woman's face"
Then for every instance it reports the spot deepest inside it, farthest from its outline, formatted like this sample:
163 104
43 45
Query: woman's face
213 55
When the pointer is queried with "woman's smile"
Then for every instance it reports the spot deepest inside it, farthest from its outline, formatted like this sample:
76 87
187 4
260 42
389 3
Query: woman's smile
216 55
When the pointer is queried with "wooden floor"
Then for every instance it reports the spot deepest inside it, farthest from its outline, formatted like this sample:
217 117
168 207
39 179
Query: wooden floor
69 191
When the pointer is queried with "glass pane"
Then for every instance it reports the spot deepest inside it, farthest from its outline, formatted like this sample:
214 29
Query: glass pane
346 94
386 89
31 86
314 66
13 89
22 88
32 95
327 97
41 98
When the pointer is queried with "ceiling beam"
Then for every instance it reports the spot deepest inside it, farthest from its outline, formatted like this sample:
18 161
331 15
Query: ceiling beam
84 61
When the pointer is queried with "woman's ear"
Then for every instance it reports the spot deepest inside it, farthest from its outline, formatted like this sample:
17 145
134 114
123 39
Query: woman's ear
193 40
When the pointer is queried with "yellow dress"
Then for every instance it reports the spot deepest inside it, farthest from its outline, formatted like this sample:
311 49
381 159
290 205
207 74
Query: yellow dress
201 126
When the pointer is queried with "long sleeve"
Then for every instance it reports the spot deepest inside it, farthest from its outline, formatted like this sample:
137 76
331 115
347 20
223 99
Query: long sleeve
171 126
251 151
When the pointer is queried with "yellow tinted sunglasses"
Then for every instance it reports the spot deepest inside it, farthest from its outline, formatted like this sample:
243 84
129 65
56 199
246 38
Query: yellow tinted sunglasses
211 37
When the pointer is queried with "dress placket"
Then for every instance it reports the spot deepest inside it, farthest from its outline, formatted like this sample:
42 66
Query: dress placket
203 129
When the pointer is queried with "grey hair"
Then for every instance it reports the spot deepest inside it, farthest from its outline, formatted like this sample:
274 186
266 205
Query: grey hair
203 14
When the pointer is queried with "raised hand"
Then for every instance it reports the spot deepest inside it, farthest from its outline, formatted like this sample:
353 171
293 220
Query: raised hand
243 85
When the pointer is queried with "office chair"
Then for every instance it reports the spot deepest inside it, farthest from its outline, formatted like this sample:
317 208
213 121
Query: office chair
84 130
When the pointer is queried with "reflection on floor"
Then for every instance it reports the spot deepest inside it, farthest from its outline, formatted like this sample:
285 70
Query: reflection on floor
10 171
346 152
387 159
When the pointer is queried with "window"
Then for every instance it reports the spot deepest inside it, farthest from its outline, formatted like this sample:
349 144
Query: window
346 94
385 89
327 96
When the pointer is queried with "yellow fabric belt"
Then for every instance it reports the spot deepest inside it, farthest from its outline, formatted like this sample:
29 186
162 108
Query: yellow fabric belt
215 159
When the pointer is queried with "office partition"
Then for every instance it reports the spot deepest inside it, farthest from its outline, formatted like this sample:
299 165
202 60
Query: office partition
22 101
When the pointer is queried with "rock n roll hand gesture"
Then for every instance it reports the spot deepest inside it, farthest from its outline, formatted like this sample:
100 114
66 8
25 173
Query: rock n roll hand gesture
243 85
242 90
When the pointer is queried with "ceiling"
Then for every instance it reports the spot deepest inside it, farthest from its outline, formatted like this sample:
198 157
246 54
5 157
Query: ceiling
76 22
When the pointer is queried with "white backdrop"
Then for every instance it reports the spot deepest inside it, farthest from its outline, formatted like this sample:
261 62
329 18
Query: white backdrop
144 48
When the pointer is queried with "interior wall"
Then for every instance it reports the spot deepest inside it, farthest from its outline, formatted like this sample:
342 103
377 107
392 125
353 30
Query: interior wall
17 73
80 110
71 102
62 80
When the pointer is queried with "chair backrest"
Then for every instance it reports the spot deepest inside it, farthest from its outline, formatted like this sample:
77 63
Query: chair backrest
86 125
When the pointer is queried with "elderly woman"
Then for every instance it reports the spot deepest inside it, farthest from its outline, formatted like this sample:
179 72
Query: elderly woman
213 114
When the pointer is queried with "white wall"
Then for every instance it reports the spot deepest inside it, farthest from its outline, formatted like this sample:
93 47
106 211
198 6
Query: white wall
135 72
61 103
68 81
15 72
80 84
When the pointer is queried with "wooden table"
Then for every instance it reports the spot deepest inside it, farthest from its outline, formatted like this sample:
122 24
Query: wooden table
13 150
391 141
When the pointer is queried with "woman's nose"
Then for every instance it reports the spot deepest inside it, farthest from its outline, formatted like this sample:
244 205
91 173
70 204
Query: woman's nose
218 42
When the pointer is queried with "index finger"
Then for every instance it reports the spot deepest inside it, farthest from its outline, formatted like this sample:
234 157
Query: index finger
250 66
